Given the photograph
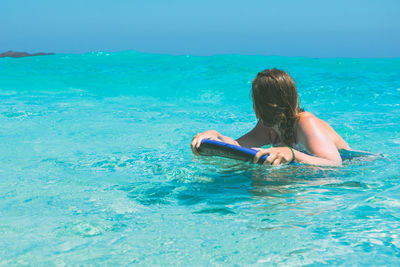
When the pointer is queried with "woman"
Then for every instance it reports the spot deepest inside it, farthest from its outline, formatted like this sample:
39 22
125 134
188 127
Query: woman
295 135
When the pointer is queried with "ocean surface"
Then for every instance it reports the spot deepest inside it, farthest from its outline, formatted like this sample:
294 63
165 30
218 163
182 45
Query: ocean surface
96 167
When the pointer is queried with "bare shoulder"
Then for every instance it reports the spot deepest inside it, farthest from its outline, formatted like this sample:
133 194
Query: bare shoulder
307 120
305 116
310 126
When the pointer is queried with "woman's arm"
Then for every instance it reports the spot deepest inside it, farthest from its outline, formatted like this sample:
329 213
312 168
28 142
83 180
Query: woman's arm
312 134
212 135
258 136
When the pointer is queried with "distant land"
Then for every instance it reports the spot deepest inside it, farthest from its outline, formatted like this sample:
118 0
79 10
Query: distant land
22 54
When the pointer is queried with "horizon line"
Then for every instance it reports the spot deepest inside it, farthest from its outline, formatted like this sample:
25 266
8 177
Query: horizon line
41 53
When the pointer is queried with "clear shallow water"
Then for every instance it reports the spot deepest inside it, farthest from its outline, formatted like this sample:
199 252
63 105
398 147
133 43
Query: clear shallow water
95 164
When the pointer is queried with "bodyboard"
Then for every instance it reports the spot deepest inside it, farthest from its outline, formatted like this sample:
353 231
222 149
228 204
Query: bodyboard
225 150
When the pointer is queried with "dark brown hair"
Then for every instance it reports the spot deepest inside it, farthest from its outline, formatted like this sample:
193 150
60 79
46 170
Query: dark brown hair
275 101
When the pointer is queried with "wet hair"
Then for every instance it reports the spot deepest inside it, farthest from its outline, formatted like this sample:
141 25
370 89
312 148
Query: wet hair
276 102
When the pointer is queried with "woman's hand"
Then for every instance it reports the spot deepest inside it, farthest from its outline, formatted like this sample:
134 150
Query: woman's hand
276 155
212 135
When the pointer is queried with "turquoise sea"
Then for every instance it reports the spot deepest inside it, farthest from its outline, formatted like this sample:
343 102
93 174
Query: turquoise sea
96 167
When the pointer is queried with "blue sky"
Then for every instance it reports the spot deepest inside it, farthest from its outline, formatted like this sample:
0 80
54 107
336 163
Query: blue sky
313 28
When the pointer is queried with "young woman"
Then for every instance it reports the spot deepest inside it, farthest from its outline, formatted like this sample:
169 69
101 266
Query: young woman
295 135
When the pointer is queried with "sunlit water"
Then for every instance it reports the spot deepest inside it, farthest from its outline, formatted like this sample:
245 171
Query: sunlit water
95 164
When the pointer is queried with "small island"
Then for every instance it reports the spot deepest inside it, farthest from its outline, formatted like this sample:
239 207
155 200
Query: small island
22 54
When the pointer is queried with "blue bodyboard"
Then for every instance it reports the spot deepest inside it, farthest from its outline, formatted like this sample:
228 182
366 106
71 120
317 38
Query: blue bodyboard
225 150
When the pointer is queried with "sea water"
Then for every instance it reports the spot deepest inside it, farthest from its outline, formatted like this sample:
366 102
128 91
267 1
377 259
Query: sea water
96 167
